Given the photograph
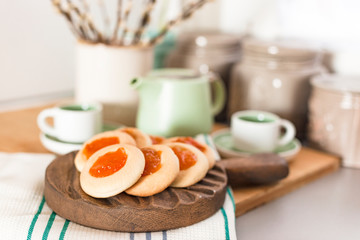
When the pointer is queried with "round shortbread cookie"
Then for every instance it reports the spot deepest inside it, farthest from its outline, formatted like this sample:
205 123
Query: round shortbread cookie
98 142
157 139
141 138
161 169
112 170
193 164
202 147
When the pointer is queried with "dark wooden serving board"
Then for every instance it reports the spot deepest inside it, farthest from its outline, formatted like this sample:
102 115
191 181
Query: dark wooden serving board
172 208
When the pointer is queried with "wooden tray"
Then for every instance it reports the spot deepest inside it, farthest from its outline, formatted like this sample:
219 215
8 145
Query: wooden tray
307 166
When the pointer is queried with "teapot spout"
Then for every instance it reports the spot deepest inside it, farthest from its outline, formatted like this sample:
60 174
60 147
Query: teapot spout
135 83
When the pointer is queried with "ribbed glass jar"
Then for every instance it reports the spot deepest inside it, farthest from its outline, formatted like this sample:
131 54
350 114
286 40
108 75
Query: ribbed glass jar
334 117
274 77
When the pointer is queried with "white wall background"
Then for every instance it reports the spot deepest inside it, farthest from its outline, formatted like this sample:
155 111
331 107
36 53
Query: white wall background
36 51
37 47
329 24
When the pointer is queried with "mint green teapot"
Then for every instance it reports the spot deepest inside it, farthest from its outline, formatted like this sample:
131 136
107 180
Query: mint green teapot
178 102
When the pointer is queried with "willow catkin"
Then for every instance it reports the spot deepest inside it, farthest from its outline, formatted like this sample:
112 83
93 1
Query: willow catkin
118 21
106 20
80 24
68 18
187 13
144 22
90 23
124 26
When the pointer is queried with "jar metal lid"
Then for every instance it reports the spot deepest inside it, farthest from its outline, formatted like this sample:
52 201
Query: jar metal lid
285 49
337 83
208 40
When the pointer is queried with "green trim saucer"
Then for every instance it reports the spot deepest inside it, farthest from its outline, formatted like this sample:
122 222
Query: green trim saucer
58 146
223 142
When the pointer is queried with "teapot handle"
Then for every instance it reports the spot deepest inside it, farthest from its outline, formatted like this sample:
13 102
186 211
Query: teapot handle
219 93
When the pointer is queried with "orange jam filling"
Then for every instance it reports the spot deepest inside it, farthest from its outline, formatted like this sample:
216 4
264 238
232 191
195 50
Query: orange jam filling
187 158
156 139
152 161
98 144
108 163
191 141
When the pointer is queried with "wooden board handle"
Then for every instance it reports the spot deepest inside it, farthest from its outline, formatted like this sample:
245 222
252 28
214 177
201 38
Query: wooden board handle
257 169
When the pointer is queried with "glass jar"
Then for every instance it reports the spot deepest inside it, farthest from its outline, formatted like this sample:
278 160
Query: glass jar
274 77
204 52
334 117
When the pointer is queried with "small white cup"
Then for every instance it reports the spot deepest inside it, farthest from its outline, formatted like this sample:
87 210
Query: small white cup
259 131
73 122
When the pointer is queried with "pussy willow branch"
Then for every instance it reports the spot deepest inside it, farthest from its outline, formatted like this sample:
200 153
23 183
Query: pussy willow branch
145 20
73 10
68 18
125 22
187 13
118 21
83 27
106 19
84 15
90 22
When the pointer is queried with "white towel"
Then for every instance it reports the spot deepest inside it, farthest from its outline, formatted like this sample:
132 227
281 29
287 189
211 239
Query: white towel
24 213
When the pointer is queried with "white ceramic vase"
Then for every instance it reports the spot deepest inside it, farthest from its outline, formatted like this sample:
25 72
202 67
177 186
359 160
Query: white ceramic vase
103 74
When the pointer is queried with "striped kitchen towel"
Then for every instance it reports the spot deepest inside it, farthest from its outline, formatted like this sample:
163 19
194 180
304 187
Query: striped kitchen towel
24 213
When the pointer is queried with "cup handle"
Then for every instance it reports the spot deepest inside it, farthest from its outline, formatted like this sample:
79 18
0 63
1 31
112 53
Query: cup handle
219 93
41 121
289 132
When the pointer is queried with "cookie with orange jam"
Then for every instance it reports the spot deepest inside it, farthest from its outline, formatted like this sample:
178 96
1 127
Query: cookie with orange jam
202 147
157 139
141 138
98 142
161 169
112 170
192 162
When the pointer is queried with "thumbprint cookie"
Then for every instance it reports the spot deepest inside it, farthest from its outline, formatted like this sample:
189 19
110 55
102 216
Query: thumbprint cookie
112 170
98 142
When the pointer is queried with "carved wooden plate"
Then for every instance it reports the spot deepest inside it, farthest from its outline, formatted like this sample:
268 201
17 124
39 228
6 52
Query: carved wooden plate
172 208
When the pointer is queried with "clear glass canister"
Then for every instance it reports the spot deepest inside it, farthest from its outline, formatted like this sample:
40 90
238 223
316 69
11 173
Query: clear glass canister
274 77
334 117
207 51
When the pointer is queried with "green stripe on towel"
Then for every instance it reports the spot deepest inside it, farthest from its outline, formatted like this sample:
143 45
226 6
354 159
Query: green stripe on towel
63 230
35 218
227 234
49 225
228 190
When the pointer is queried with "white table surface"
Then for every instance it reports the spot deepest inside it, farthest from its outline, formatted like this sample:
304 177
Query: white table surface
328 208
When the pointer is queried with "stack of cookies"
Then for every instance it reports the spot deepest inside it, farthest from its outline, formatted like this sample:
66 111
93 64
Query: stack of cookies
129 160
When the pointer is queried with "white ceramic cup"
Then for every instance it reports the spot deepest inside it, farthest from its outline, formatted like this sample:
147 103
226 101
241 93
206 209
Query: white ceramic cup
73 122
259 131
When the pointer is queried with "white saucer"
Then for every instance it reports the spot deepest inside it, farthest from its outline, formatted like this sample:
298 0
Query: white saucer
223 142
60 147
56 146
